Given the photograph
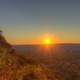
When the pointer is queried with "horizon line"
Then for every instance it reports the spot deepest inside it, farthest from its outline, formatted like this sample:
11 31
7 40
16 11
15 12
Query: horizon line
51 44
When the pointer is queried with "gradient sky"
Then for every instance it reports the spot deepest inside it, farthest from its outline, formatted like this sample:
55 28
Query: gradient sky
23 21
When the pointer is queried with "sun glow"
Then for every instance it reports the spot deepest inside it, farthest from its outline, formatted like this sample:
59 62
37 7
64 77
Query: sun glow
47 41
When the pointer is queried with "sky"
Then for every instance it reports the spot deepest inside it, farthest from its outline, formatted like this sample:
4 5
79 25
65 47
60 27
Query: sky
24 21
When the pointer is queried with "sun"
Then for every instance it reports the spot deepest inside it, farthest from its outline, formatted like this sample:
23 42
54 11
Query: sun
47 41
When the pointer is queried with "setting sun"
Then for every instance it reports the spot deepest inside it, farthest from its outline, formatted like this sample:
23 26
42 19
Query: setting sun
47 41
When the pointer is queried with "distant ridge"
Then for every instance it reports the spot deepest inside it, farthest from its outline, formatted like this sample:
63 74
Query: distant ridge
29 48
